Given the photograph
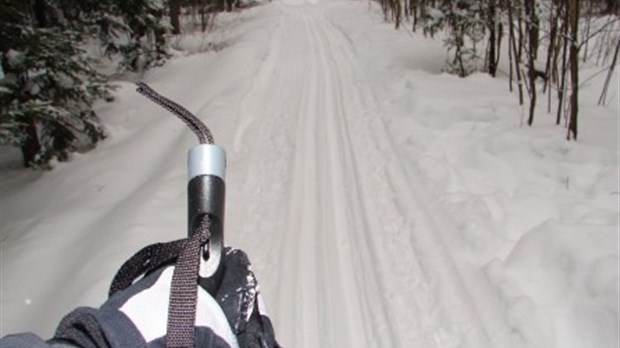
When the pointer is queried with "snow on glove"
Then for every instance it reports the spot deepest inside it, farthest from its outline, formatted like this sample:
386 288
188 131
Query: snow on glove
240 299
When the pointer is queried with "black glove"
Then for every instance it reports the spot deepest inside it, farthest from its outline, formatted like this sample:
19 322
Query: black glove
240 299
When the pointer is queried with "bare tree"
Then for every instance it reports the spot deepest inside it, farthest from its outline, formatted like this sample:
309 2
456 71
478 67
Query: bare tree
466 22
562 87
610 73
532 40
515 52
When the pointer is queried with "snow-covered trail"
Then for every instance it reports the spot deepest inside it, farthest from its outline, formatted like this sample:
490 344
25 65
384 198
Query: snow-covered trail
344 235
382 203
345 250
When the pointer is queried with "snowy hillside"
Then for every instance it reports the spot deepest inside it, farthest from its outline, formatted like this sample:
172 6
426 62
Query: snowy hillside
383 203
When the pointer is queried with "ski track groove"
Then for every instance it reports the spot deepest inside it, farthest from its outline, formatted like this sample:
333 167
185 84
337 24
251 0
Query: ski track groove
353 263
413 194
410 203
344 163
372 215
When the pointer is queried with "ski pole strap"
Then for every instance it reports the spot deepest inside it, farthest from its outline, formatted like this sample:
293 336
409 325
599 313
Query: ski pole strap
206 217
180 332
145 261
187 253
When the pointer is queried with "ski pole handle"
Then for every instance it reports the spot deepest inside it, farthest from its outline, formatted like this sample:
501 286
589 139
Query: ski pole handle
206 196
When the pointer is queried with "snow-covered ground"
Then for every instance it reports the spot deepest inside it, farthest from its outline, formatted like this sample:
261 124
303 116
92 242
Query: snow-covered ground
382 202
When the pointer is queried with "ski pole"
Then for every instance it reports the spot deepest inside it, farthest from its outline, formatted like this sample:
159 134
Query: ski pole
206 190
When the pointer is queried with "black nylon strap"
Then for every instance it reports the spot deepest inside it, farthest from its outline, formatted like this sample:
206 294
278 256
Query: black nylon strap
184 289
144 261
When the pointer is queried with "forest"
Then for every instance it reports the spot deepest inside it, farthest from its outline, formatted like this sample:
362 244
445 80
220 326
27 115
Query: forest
545 41
401 173
52 52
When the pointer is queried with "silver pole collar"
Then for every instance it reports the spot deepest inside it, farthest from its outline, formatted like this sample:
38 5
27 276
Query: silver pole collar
206 159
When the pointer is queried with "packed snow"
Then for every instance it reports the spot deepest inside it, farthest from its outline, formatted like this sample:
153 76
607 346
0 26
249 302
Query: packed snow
383 202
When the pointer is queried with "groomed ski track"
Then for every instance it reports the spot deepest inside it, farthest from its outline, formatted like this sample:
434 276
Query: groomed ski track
349 250
344 240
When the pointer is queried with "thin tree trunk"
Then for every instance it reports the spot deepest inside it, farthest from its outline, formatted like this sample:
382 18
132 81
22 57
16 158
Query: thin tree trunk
587 33
500 37
553 29
510 59
203 17
516 52
562 88
532 33
534 29
397 12
413 7
492 26
406 11
601 100
31 147
574 68
520 32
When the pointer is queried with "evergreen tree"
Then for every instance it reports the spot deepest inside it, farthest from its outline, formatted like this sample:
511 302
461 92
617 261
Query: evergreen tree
47 89
98 19
47 81
146 39
135 29
465 24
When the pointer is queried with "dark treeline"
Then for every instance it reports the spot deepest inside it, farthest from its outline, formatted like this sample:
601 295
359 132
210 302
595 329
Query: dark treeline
48 80
545 42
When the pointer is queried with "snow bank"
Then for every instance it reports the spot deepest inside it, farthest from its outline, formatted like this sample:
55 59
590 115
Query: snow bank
530 219
560 285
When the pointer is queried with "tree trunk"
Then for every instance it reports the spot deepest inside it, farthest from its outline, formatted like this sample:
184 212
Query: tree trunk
516 53
175 12
612 6
39 10
563 72
492 26
532 33
500 36
413 7
587 31
31 147
553 25
159 35
396 12
573 11
601 100
534 29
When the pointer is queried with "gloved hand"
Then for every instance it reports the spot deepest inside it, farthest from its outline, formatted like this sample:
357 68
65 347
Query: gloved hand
240 299
137 315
